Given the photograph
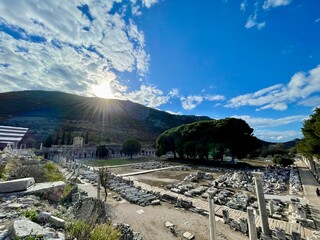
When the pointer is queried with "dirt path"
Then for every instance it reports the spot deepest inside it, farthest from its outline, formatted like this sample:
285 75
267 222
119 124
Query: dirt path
150 220
310 185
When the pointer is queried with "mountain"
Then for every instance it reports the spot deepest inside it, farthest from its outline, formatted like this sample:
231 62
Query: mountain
61 116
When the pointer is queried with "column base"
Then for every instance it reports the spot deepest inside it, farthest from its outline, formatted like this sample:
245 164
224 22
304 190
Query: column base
265 237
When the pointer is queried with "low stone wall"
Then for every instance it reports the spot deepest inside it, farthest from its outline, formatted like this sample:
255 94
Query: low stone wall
16 185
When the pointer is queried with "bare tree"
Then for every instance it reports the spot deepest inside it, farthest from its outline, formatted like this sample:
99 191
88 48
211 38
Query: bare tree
105 176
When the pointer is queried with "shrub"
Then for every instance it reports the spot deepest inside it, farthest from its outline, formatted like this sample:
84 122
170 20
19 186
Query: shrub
31 214
282 160
52 172
67 192
80 230
105 231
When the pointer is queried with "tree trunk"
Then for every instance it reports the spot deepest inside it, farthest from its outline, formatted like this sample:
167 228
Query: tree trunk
106 194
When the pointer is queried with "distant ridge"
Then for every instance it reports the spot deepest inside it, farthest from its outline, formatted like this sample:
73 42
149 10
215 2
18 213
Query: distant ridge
63 115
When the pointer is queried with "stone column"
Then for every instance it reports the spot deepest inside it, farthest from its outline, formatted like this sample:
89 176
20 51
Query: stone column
252 224
266 233
271 207
98 187
225 214
212 219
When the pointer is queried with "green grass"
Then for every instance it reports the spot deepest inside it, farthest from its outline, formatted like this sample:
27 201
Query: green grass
257 163
113 162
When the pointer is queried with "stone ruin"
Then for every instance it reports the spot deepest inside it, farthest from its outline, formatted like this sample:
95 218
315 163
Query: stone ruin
197 176
126 233
125 188
151 165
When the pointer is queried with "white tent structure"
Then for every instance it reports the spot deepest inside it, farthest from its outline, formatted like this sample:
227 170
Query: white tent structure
11 135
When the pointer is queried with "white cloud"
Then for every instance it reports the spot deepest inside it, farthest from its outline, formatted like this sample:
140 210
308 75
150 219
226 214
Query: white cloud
310 102
174 92
149 3
275 3
258 122
147 95
76 51
174 113
214 97
301 86
190 102
243 6
277 136
252 22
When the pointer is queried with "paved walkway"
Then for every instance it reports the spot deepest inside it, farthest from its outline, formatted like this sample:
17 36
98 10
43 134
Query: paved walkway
233 214
310 185
147 171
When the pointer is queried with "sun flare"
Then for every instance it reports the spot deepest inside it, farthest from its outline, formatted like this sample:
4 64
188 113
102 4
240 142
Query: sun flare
102 90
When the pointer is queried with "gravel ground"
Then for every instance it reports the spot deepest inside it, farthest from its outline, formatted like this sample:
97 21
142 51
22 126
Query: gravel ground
150 220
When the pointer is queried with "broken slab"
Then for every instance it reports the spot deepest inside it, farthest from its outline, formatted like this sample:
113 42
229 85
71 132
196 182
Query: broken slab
56 222
169 224
16 185
24 227
188 236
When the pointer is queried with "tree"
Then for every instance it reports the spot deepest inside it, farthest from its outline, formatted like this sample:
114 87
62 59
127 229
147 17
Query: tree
69 139
105 176
101 151
87 138
63 138
309 146
131 147
48 142
282 160
209 138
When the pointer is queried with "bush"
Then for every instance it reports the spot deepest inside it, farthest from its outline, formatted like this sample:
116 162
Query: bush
67 192
80 230
105 232
31 214
52 172
282 160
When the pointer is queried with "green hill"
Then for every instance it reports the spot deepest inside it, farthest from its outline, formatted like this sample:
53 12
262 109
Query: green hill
63 116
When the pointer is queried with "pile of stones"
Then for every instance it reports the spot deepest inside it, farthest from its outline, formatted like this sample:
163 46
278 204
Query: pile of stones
126 233
197 176
187 189
125 188
13 225
295 186
151 165
239 201
274 180
90 176
236 179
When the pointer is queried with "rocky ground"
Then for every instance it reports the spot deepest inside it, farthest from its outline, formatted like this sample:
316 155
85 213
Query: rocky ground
150 221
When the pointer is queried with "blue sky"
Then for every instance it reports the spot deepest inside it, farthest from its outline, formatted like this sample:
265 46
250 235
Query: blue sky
258 60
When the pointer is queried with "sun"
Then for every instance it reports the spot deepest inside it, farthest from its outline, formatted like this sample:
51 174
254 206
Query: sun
102 90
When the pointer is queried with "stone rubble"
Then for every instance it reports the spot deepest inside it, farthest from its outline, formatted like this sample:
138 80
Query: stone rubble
14 225
197 176
295 186
132 194
126 232
151 165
